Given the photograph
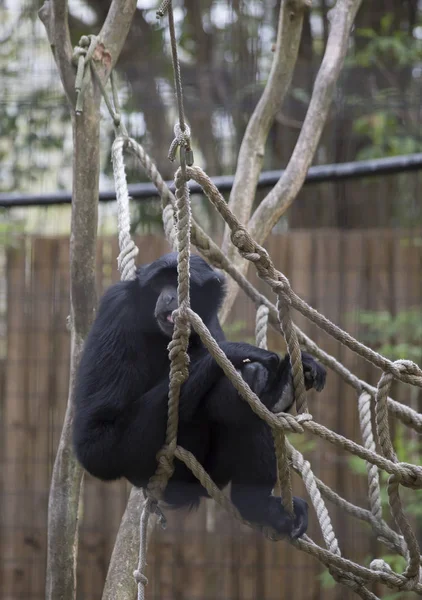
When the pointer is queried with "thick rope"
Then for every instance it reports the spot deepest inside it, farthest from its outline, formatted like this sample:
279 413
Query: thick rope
128 248
383 431
213 253
283 470
384 533
293 348
409 475
83 59
304 468
280 284
179 358
168 200
365 420
261 326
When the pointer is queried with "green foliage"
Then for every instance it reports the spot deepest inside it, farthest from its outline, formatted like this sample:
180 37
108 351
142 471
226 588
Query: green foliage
387 125
386 47
302 443
396 336
326 579
237 331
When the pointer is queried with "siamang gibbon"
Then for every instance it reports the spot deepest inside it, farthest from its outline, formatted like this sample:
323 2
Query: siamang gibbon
121 395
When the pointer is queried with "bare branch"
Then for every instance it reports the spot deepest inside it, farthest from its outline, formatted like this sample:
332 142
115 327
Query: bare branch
63 516
66 483
53 14
120 583
251 152
116 26
285 191
67 474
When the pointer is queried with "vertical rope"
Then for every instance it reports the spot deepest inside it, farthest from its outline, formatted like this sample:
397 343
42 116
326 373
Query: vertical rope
383 430
364 406
128 248
261 326
170 228
283 484
293 348
179 358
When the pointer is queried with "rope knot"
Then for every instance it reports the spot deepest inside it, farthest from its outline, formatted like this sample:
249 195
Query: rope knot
410 476
126 259
180 376
380 566
292 423
302 418
81 57
243 243
81 50
140 577
181 140
182 137
163 9
407 367
165 460
281 285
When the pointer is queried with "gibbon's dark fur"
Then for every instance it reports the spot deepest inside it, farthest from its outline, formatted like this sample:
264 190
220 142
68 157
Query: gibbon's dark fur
122 388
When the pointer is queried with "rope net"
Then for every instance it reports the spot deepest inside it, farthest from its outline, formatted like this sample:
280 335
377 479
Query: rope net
181 230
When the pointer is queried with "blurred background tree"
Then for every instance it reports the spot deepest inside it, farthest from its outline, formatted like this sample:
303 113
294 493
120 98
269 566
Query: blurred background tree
226 52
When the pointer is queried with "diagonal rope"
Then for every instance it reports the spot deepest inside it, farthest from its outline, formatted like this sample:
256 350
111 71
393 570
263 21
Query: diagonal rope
283 469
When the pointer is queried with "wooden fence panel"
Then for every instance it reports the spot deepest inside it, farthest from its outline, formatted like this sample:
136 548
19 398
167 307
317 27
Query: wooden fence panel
203 555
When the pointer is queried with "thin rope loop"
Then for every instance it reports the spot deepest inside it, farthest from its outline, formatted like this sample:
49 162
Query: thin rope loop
81 58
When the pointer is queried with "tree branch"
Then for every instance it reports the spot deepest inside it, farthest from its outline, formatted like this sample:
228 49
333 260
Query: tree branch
116 27
285 191
120 583
64 499
67 474
53 15
251 154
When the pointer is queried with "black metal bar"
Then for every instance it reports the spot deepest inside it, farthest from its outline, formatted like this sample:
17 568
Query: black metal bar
317 174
